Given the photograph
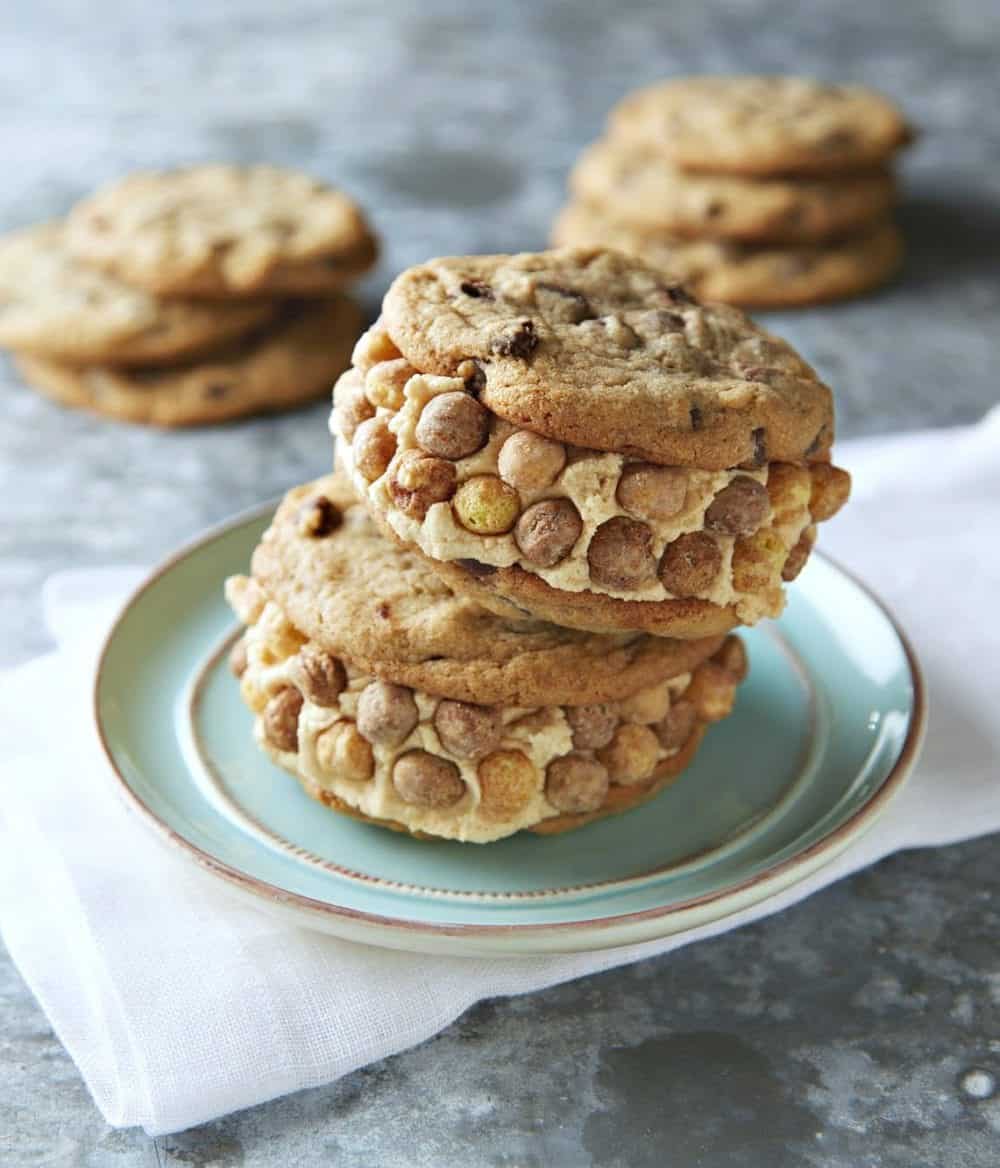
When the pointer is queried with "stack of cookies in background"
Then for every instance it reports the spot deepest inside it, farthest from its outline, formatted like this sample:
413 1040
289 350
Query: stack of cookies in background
760 191
561 482
185 297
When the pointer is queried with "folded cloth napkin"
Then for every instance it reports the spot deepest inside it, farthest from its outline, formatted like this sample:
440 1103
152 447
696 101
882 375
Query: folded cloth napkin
180 1004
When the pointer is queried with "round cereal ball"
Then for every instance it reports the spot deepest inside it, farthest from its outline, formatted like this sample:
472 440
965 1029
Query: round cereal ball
739 508
452 425
647 706
507 781
467 730
385 382
485 505
386 713
758 560
238 659
419 481
319 676
530 462
427 780
373 447
621 554
690 564
575 784
592 726
281 719
799 554
733 657
676 728
631 755
830 488
343 754
652 492
350 405
547 531
712 691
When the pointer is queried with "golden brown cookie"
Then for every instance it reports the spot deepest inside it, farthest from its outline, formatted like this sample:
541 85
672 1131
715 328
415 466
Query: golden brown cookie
290 361
361 597
762 125
222 231
55 306
570 434
421 745
750 275
642 189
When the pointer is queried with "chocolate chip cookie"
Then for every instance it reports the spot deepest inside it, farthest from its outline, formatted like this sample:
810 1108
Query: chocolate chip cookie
395 700
750 275
55 306
575 435
762 125
224 231
291 360
643 190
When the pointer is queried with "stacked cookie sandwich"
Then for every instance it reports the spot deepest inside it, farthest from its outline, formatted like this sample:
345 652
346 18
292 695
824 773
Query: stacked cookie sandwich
188 297
562 482
760 191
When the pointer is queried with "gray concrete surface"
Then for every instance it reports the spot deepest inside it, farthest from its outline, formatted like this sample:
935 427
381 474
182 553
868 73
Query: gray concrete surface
847 1032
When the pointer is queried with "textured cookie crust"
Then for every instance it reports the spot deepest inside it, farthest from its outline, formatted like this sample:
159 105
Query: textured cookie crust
642 189
753 276
221 231
500 588
595 348
292 360
385 611
762 125
54 305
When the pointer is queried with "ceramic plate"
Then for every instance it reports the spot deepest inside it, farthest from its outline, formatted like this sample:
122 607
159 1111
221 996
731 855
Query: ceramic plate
824 731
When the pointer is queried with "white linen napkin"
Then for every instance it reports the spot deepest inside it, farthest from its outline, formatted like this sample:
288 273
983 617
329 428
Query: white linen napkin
179 1004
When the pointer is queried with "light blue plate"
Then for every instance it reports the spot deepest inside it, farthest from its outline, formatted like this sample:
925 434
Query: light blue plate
825 730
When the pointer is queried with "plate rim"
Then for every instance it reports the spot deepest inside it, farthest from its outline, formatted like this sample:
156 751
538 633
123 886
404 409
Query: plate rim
259 889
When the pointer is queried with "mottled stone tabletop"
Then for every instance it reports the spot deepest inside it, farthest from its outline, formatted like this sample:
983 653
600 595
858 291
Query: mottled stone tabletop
860 1028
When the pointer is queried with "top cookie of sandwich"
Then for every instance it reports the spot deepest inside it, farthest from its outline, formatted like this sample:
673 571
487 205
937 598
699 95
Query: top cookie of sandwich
221 231
762 125
597 349
380 607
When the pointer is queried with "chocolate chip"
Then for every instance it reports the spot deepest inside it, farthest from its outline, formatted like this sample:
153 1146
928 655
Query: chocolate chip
520 342
318 517
578 306
818 442
759 446
384 611
476 567
714 209
837 139
477 289
760 373
697 419
214 392
678 294
475 382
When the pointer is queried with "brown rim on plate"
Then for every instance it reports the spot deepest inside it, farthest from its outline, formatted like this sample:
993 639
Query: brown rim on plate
835 841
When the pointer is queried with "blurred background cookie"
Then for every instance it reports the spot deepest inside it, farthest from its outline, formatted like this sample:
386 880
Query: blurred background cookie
55 306
222 231
291 360
180 298
762 191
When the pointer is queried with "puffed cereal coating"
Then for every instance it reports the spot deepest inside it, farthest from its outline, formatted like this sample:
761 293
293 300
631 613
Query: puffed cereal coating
530 462
575 783
386 713
621 554
486 505
427 780
452 425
